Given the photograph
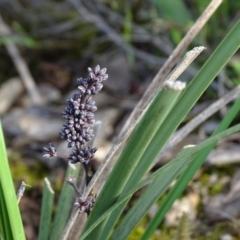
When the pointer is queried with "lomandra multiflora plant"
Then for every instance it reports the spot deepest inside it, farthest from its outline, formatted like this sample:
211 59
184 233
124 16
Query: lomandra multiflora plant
77 130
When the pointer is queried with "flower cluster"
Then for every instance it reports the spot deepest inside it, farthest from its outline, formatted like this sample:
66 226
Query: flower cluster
79 115
50 151
83 154
85 205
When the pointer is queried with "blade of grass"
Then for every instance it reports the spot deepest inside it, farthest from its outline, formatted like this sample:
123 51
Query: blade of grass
176 166
153 192
180 158
168 103
185 102
46 211
165 70
187 175
64 206
4 220
137 144
9 194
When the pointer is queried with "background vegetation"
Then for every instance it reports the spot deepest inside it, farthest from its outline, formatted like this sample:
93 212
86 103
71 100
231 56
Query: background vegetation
58 40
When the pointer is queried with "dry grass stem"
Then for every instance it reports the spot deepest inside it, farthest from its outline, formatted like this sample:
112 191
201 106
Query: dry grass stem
48 185
184 64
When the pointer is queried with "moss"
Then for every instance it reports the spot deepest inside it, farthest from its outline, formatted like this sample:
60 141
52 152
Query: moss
204 178
22 171
215 189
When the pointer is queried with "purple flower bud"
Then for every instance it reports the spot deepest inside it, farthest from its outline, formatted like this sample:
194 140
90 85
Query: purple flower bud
50 151
98 74
85 205
83 155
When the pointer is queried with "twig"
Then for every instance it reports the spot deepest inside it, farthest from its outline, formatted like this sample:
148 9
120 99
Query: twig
200 118
21 65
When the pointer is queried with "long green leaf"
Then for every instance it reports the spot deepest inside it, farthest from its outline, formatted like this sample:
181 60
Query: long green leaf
180 158
187 175
4 218
46 211
9 195
155 191
65 204
131 154
167 102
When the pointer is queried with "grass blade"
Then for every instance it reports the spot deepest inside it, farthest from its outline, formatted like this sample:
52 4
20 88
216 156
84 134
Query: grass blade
182 156
153 192
188 174
5 227
136 146
46 211
9 199
64 206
